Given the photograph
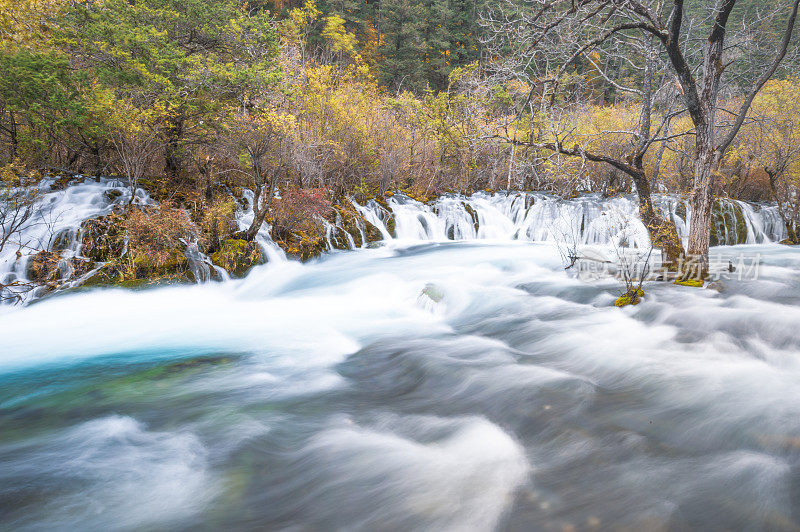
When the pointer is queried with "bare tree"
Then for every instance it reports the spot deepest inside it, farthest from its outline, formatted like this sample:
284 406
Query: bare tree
261 138
549 39
18 197
136 141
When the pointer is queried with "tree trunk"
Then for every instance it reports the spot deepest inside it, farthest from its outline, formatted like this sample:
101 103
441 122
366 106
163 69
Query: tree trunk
663 233
259 212
172 148
14 138
702 201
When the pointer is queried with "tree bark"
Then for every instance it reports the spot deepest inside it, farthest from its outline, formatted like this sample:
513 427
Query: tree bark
663 233
260 210
702 201
14 138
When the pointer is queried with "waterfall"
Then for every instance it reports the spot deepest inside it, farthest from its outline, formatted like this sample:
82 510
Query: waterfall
244 217
59 212
54 224
587 220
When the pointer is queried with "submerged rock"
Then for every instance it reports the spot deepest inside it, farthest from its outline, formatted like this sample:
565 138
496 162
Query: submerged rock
430 298
433 292
717 286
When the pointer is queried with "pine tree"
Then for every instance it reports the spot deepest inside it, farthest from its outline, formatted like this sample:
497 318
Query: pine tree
464 30
402 49
438 41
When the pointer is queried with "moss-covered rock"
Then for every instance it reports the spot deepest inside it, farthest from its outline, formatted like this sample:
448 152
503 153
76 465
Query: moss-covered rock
64 181
62 240
631 297
433 292
112 195
374 234
134 271
53 271
103 238
347 221
695 283
728 225
237 256
472 214
391 225
43 266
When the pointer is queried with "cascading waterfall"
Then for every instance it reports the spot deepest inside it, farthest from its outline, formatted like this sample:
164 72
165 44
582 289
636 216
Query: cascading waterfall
585 220
244 218
55 224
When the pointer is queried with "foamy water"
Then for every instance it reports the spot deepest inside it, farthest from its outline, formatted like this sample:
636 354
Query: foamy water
470 385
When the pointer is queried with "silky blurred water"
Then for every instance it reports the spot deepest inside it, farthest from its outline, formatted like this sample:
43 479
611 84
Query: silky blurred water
434 386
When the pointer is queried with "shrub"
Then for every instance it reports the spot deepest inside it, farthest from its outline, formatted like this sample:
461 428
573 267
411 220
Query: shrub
158 237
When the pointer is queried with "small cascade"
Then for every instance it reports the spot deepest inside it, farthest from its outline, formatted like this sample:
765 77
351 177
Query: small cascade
201 266
54 226
244 218
374 214
733 221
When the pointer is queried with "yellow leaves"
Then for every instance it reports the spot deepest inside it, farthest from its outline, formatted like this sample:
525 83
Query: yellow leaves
771 136
24 21
339 39
305 15
298 23
283 123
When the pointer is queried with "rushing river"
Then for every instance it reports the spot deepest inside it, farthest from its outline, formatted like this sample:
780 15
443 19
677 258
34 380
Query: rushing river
468 385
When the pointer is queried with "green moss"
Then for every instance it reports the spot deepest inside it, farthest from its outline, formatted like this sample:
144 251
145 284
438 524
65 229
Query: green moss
237 256
717 224
631 297
741 224
132 283
695 283
137 270
112 195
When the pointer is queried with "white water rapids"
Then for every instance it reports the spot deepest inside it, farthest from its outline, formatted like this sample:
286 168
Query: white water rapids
425 384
